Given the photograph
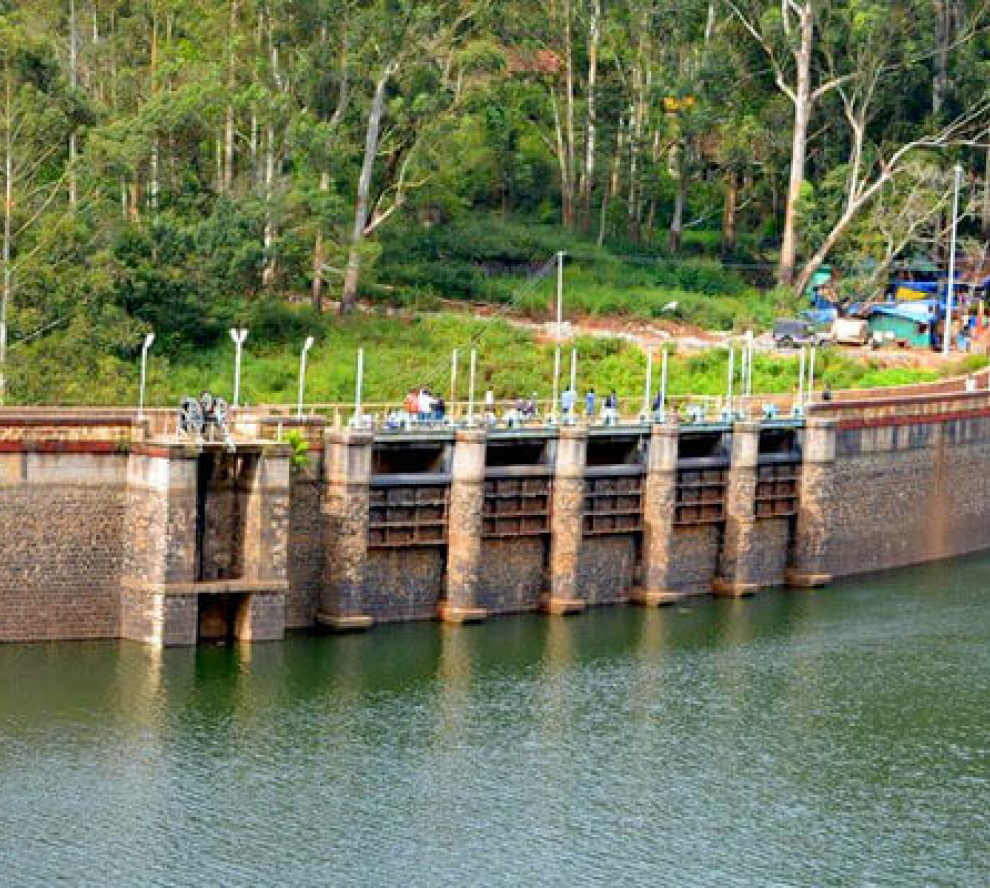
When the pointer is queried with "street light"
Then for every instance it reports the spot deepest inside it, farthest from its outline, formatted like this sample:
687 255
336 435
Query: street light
307 345
358 389
471 375
238 335
148 340
951 292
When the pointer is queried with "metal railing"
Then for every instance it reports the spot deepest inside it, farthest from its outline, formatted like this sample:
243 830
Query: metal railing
503 414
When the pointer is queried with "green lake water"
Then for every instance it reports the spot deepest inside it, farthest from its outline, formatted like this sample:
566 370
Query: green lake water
831 738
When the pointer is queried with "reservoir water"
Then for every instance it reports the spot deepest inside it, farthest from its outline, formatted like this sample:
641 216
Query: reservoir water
837 737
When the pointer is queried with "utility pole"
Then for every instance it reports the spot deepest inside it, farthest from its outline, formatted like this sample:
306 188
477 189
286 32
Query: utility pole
358 389
951 289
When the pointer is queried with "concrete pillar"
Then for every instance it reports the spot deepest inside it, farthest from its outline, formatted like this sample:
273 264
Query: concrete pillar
464 527
266 494
261 617
810 565
566 521
160 558
659 495
739 547
346 499
266 542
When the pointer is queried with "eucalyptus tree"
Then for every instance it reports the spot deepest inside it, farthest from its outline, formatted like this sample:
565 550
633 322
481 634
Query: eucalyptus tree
406 39
791 36
880 46
34 130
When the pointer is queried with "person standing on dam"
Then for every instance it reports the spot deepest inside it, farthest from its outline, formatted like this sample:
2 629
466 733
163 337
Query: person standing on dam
567 400
589 403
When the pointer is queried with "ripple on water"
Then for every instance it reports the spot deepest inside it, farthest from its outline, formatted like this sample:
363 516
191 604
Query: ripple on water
835 738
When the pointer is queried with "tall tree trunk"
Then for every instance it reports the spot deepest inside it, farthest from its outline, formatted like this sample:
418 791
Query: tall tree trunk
318 255
611 189
602 218
569 114
803 101
588 175
615 182
944 37
268 272
228 128
153 85
74 85
134 209
566 191
8 211
676 236
153 183
729 212
352 273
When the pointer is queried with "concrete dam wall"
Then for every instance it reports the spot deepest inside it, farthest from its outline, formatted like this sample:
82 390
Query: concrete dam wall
108 530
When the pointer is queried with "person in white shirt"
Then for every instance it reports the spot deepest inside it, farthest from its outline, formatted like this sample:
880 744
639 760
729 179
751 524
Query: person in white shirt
567 400
425 404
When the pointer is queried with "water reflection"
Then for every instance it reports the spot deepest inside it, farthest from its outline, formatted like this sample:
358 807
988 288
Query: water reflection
832 737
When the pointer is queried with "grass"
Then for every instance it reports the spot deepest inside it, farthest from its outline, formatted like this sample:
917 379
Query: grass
495 260
401 353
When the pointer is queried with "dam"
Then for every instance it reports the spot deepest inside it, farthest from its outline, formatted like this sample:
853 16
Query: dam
111 527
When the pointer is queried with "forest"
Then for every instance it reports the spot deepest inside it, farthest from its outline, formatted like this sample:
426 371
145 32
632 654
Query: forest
180 166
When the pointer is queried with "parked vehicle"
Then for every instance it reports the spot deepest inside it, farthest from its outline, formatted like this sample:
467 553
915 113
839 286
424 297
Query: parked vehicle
850 331
794 333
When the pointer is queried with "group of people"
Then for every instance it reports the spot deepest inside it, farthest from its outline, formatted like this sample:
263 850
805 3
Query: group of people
424 406
609 408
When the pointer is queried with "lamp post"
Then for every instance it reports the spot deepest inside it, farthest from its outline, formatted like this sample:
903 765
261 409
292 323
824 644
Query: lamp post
307 345
663 387
453 384
749 365
649 384
800 399
811 376
732 374
148 340
951 289
471 375
358 389
560 294
238 335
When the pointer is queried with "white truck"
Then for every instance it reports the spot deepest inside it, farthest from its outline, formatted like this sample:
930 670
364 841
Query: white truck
850 331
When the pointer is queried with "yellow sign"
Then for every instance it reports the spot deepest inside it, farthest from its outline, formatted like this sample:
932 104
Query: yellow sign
908 294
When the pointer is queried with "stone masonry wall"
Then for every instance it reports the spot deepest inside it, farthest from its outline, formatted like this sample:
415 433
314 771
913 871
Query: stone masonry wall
694 557
61 545
511 577
404 584
305 555
769 554
606 569
908 494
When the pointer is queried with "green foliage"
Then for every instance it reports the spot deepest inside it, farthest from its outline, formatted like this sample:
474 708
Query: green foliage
300 449
217 147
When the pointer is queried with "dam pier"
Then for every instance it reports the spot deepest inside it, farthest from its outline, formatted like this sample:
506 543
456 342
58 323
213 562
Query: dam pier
111 527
